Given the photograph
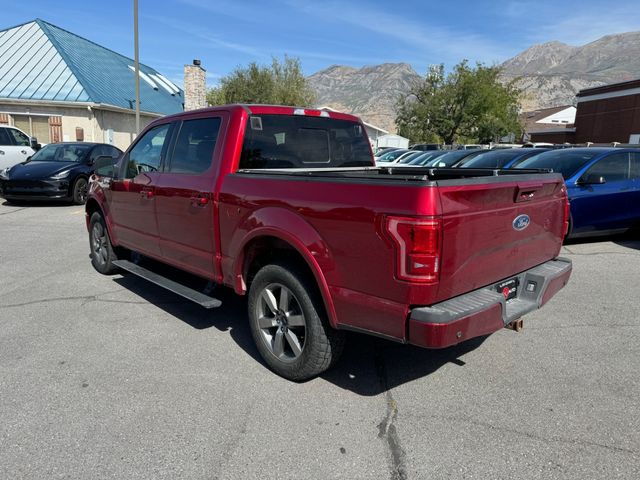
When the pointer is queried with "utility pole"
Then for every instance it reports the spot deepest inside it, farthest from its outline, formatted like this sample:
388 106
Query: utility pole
136 63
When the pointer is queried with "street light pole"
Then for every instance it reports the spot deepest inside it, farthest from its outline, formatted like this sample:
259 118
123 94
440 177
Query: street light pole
136 63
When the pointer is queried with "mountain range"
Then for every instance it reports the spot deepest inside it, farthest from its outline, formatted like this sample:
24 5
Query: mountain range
369 92
549 74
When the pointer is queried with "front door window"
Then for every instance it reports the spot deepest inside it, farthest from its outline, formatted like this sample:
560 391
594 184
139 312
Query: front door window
146 155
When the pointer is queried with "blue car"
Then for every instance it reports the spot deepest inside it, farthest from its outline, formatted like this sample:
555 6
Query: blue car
603 185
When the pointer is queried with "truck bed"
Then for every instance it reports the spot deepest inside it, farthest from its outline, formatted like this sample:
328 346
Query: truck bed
346 210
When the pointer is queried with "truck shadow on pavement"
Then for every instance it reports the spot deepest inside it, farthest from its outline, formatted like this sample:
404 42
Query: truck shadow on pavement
369 366
629 243
231 316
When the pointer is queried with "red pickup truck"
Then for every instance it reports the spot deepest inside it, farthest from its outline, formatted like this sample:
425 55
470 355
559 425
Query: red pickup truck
285 204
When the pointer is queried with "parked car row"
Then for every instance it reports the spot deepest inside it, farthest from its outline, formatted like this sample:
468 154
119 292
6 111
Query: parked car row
476 158
603 183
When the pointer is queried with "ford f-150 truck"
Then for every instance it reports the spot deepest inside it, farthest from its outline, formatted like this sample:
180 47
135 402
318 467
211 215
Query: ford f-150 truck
286 205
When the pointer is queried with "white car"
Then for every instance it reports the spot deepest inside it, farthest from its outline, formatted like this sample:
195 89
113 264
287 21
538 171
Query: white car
15 146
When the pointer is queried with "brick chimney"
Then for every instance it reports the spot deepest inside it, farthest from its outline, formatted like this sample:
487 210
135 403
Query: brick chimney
195 86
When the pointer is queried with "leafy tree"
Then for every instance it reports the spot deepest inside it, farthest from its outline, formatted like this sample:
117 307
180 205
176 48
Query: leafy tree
282 83
467 105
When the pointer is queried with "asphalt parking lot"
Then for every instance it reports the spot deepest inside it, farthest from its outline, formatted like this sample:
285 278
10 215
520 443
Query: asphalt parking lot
110 377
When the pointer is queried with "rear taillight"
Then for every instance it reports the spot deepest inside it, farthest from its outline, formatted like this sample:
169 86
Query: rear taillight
418 245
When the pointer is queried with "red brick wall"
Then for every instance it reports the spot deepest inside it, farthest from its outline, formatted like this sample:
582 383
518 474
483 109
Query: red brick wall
608 120
553 137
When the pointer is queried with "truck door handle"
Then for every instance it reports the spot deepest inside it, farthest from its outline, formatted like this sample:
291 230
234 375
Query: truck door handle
199 200
24 152
146 193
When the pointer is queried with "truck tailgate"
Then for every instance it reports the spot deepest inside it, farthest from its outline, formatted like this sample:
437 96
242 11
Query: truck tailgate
496 227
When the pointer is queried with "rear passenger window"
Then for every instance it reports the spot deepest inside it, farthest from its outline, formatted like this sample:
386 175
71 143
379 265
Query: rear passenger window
613 168
146 155
196 141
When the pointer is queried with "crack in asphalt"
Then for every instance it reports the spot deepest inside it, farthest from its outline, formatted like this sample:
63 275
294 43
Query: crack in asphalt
87 299
231 446
593 325
386 428
571 441
13 211
38 279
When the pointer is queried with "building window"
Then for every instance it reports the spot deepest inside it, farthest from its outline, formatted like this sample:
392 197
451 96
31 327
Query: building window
33 125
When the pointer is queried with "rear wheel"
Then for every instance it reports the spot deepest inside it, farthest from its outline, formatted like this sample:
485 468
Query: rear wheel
288 324
102 253
80 191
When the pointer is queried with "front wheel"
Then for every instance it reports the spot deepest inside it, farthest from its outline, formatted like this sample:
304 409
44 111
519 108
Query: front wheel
102 254
80 191
288 324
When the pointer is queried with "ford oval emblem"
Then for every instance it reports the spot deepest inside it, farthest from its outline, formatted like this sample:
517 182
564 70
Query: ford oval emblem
521 222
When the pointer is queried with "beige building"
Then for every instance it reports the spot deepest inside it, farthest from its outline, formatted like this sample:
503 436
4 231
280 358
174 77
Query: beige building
52 122
57 86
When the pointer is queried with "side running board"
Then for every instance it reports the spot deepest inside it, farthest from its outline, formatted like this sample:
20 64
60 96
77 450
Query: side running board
182 290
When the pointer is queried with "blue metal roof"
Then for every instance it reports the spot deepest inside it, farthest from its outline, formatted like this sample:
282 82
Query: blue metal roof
39 61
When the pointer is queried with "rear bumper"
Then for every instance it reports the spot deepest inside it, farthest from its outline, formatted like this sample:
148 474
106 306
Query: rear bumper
484 311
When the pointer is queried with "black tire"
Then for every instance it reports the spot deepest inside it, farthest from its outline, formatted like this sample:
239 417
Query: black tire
102 253
294 338
80 191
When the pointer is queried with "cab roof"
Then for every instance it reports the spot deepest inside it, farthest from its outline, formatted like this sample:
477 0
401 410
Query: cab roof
260 109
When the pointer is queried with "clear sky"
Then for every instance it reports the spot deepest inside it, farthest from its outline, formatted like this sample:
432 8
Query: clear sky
226 33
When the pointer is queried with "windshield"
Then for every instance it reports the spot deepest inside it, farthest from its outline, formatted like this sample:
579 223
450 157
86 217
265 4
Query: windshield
493 159
427 157
296 141
409 157
56 152
567 162
449 158
391 156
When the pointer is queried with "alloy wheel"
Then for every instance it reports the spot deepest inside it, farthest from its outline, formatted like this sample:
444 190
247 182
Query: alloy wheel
83 190
281 322
99 243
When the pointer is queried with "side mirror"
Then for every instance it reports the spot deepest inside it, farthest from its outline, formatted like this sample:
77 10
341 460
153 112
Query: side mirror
34 144
103 165
591 179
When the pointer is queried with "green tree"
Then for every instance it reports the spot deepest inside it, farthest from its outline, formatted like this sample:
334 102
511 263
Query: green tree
281 83
467 105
